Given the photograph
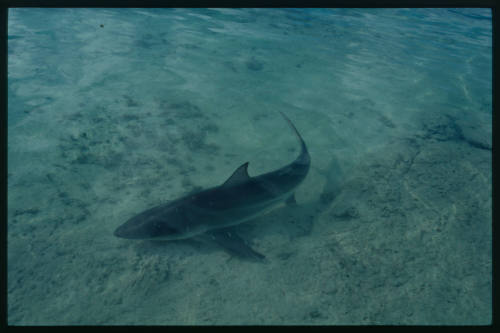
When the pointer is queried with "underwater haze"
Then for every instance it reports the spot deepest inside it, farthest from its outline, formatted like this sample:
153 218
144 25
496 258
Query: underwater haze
114 111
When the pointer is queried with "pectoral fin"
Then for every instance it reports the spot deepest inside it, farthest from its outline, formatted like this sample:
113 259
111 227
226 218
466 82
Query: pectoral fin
231 242
291 201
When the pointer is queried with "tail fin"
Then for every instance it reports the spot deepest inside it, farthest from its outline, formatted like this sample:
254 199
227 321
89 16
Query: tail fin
304 154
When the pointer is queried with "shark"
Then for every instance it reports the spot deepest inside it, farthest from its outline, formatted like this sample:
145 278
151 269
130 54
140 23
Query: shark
211 214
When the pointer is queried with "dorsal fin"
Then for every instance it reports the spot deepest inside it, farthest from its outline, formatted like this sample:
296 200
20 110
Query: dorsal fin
239 176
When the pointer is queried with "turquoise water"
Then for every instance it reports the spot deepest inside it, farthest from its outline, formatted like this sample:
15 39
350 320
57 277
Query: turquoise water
113 111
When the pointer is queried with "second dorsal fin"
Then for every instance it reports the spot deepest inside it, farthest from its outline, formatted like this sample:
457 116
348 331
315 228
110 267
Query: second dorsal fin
238 176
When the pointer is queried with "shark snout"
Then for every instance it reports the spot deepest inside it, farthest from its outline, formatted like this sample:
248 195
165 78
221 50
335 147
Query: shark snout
125 231
120 232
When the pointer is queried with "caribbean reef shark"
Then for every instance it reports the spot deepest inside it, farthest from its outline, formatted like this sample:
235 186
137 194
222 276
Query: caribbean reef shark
211 212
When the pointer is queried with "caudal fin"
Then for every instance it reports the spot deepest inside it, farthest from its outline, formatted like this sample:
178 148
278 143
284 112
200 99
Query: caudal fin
304 154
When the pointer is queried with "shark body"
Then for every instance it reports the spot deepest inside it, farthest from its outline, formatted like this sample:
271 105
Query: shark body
211 212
